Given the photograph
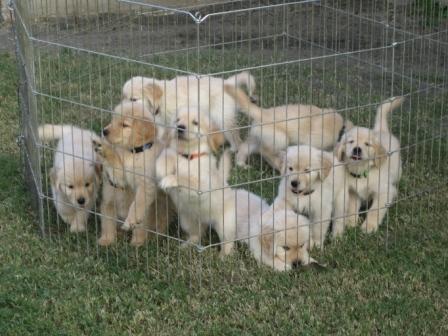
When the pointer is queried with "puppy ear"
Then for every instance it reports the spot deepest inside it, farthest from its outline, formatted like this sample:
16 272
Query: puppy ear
53 176
215 141
266 241
281 161
380 154
339 150
153 93
98 172
326 165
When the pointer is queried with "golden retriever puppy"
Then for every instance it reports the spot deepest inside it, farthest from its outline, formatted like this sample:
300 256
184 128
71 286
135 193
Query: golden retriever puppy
166 97
278 238
373 165
129 156
314 184
189 172
75 175
276 128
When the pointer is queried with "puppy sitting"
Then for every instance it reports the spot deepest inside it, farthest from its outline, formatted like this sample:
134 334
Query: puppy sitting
206 94
129 167
373 165
279 238
75 176
274 129
188 171
313 184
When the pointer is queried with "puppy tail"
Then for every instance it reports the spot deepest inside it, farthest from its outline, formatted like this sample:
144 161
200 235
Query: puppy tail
225 165
243 78
244 103
383 111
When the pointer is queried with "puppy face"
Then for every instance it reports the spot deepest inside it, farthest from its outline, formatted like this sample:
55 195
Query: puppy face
77 184
361 149
305 166
290 241
132 125
142 88
191 126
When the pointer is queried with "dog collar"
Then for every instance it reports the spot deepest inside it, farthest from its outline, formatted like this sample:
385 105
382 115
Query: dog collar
141 148
194 155
113 184
309 192
365 174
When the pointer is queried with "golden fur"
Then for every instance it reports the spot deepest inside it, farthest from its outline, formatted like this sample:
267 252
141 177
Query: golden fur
276 128
373 166
147 207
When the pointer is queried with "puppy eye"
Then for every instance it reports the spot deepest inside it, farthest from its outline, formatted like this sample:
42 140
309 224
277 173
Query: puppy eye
195 122
290 169
133 99
156 112
125 125
307 170
351 141
367 144
70 186
87 185
286 248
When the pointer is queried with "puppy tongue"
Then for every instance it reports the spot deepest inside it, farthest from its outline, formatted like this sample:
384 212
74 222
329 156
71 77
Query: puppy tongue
356 157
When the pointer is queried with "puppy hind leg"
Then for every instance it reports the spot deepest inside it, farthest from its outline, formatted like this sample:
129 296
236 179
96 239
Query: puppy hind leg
108 225
320 224
251 145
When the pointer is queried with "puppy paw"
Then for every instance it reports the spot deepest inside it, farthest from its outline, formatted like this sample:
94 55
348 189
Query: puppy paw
106 241
97 146
369 227
242 164
168 182
226 249
137 241
77 227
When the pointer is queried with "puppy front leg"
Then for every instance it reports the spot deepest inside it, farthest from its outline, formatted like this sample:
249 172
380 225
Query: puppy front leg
353 208
377 211
320 223
108 224
341 205
251 145
144 197
79 222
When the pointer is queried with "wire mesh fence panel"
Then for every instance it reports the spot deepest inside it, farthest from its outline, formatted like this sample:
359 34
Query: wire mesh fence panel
205 140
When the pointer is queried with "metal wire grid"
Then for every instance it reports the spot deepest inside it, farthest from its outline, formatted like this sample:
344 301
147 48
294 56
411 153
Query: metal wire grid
343 54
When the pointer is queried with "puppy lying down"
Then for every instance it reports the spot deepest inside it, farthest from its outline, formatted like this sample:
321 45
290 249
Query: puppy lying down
75 175
277 236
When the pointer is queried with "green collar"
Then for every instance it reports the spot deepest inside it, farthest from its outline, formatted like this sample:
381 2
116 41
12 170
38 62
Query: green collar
364 174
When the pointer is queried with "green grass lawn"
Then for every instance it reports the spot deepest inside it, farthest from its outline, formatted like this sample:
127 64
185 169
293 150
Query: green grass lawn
393 282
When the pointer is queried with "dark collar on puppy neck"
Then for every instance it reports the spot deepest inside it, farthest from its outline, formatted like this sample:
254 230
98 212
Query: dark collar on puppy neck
140 149
194 155
113 184
309 192
365 174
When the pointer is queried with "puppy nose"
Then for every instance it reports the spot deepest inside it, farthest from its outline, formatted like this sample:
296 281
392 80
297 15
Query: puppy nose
296 264
294 184
181 128
81 200
357 151
105 132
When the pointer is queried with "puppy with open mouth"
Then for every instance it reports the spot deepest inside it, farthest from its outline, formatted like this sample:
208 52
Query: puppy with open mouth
373 165
129 152
314 184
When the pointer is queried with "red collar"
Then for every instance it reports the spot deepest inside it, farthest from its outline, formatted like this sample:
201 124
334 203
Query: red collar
194 155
